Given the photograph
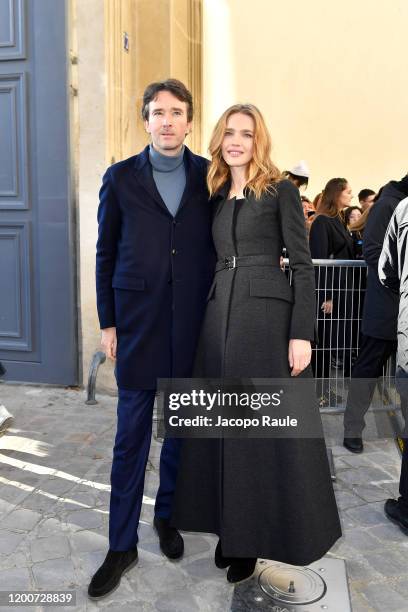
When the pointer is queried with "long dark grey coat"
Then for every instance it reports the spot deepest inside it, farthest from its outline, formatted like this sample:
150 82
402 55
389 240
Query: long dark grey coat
264 497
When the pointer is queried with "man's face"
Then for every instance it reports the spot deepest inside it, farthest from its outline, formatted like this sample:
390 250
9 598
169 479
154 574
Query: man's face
167 123
369 200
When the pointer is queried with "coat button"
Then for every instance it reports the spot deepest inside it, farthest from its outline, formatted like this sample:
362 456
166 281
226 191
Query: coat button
174 252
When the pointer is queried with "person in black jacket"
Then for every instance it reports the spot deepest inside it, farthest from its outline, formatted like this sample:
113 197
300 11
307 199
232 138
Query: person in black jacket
379 323
329 239
393 274
352 215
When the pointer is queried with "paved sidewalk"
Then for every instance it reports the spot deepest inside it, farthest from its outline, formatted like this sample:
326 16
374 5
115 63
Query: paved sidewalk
54 493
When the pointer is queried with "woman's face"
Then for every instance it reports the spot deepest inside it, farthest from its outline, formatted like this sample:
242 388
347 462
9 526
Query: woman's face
238 143
354 216
345 197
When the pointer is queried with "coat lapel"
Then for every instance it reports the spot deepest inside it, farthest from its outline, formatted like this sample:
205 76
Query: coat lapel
220 196
144 176
193 177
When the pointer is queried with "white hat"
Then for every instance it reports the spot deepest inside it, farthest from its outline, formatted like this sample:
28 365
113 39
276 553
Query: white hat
300 169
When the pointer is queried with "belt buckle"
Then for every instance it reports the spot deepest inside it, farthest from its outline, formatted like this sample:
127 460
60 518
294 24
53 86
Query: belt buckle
230 262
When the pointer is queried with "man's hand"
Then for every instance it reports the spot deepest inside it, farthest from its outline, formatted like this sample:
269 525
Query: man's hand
299 355
109 342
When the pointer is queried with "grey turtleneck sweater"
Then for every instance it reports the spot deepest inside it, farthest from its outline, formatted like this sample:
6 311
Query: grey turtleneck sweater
170 177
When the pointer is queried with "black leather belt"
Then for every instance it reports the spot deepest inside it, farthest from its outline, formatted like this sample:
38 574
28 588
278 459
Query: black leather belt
229 263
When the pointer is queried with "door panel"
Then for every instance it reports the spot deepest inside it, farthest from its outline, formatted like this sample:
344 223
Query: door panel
12 29
38 328
13 142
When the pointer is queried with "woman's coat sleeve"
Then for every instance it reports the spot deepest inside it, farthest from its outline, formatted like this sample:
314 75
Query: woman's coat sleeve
320 248
303 282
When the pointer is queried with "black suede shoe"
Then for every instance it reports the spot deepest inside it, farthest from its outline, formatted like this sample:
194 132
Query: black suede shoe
220 561
354 445
171 542
108 576
397 514
241 569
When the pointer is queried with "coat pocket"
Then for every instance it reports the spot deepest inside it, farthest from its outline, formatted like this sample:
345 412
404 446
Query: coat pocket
269 288
132 283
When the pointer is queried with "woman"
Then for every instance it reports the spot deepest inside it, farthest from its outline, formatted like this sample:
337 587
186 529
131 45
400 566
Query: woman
359 280
355 221
351 215
270 498
329 239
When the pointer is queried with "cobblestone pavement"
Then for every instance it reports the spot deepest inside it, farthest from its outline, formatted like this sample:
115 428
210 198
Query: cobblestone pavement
54 493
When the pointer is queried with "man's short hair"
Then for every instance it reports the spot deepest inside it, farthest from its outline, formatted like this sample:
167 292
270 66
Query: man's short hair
364 193
175 87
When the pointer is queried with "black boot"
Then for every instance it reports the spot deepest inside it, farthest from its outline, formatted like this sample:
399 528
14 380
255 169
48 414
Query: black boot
241 569
354 445
108 576
171 542
397 513
219 560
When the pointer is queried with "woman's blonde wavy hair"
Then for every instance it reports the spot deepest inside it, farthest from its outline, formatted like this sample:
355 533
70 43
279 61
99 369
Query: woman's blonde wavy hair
262 172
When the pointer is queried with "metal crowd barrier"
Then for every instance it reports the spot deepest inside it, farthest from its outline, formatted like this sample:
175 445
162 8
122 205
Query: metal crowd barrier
338 343
339 333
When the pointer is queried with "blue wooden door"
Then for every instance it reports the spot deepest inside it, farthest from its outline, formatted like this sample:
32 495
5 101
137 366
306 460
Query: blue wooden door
38 329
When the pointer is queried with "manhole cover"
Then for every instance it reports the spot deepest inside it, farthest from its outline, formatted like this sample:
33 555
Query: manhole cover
287 584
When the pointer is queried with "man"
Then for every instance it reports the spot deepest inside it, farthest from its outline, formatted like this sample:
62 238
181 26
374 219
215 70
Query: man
366 198
154 265
299 174
393 273
379 322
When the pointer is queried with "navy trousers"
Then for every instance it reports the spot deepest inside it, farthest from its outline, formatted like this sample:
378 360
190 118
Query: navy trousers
130 454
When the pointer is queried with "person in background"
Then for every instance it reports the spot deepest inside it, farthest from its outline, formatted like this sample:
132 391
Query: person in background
316 200
299 174
356 229
393 274
366 198
379 322
355 222
329 239
307 207
352 215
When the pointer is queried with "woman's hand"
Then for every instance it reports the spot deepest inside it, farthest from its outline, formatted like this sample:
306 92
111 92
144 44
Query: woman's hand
299 355
327 307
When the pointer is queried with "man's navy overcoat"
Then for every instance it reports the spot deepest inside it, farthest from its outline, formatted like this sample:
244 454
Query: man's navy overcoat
153 270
